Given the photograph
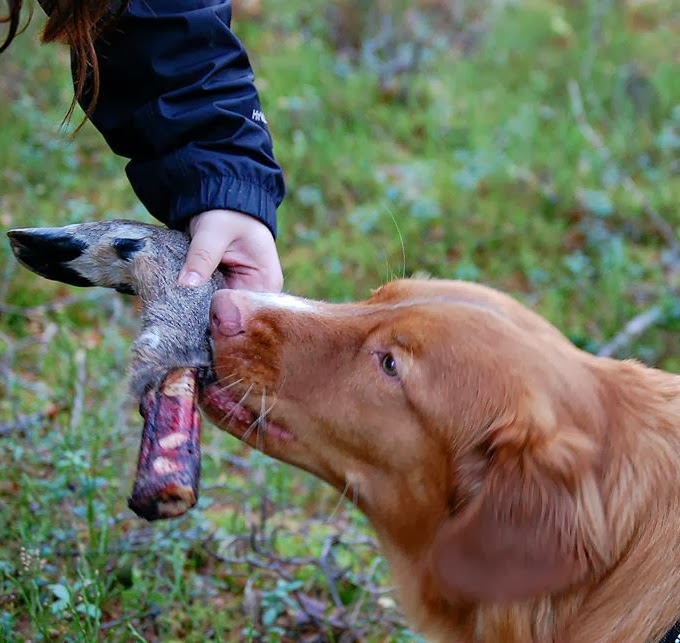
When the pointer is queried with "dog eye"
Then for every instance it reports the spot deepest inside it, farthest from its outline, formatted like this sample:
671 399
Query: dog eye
389 365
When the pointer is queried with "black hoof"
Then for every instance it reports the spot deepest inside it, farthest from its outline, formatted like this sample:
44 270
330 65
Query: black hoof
46 251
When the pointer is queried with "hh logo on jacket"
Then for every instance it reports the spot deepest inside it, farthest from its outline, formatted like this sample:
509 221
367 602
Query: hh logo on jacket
258 115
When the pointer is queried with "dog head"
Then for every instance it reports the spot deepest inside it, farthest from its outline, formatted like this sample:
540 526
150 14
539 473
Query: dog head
465 426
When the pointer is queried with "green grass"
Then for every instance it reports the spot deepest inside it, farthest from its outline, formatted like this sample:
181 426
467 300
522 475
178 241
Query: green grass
474 158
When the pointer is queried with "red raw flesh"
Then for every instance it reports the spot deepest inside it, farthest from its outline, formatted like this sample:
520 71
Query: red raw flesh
169 466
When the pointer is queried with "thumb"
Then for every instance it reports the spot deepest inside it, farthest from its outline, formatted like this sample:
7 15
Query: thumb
205 254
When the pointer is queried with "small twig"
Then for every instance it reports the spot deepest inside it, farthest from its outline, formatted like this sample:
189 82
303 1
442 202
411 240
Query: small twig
325 566
79 394
154 612
24 423
356 610
589 133
633 329
12 379
229 458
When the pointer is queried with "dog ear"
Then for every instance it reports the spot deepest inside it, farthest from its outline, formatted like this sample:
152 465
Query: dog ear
535 526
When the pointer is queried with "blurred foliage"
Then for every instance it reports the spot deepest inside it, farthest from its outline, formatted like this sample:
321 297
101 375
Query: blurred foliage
430 135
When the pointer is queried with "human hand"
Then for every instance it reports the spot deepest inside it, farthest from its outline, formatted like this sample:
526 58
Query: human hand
241 243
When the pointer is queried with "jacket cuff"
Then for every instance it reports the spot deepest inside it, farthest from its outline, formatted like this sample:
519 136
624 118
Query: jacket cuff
222 193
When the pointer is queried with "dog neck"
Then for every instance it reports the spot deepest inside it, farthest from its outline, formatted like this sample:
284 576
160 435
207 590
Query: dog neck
640 478
638 597
641 444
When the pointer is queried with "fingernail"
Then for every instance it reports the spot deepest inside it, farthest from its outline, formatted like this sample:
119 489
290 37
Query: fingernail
190 279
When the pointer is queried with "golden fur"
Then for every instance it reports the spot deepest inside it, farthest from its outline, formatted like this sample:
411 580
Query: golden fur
521 489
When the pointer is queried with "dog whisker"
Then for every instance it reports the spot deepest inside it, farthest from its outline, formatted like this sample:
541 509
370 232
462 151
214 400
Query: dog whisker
228 417
343 495
251 427
244 397
226 387
267 411
261 424
401 241
279 388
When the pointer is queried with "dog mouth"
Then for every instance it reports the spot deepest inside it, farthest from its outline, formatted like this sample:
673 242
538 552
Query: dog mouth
230 410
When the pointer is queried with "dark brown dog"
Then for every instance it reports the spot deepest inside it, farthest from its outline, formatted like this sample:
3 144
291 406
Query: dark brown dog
521 489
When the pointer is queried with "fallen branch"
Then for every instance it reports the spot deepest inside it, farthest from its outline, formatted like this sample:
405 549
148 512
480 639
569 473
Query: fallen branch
55 306
633 329
339 617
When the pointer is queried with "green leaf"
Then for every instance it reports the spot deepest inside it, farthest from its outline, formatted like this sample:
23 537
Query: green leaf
597 202
89 610
270 615
61 592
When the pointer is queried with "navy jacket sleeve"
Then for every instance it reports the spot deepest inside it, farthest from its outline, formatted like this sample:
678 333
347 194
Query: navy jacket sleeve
177 97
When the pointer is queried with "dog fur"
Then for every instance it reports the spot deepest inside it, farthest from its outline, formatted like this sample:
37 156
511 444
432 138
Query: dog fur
521 489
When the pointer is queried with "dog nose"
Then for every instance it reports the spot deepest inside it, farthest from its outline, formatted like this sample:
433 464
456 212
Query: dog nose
227 312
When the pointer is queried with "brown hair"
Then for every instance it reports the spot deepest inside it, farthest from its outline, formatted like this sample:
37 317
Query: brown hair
76 23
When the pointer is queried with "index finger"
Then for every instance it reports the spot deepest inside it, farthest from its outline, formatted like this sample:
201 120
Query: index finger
205 253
